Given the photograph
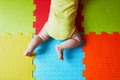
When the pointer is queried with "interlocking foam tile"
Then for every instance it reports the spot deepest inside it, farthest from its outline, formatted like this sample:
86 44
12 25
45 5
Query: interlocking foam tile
79 17
102 56
101 16
42 11
13 64
16 16
48 67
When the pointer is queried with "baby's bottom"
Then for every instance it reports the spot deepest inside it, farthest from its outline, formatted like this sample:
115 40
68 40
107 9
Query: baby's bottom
71 42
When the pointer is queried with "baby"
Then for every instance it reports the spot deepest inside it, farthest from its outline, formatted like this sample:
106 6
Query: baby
60 26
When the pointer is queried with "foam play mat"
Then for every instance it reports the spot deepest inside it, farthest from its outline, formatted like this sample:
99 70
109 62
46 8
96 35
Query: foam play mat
48 67
97 58
16 20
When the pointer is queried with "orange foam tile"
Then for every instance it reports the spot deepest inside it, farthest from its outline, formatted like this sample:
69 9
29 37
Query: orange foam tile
102 56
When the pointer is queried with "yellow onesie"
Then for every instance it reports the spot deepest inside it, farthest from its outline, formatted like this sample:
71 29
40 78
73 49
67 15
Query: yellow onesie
61 21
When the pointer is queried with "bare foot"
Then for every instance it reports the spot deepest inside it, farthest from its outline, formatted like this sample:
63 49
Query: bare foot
28 53
59 50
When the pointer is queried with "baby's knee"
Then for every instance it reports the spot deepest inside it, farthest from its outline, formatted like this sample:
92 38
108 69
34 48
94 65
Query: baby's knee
78 39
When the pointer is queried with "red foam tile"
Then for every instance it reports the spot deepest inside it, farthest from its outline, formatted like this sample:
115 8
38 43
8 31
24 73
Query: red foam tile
102 56
42 11
79 18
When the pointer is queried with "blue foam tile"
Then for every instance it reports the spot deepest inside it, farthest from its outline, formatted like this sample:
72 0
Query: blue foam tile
48 67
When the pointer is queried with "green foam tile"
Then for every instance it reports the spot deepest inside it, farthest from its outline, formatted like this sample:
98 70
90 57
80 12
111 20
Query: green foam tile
101 16
16 16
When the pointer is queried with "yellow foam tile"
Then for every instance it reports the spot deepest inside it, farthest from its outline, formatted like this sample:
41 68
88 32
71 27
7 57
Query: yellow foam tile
13 64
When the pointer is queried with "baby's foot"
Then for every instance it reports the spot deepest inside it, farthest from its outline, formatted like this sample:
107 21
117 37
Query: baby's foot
59 50
28 53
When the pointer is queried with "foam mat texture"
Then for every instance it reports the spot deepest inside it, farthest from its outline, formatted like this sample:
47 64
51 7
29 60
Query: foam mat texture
101 16
16 16
48 67
102 53
13 64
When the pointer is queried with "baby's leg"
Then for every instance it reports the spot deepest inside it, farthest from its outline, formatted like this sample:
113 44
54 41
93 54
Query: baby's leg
41 37
72 42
